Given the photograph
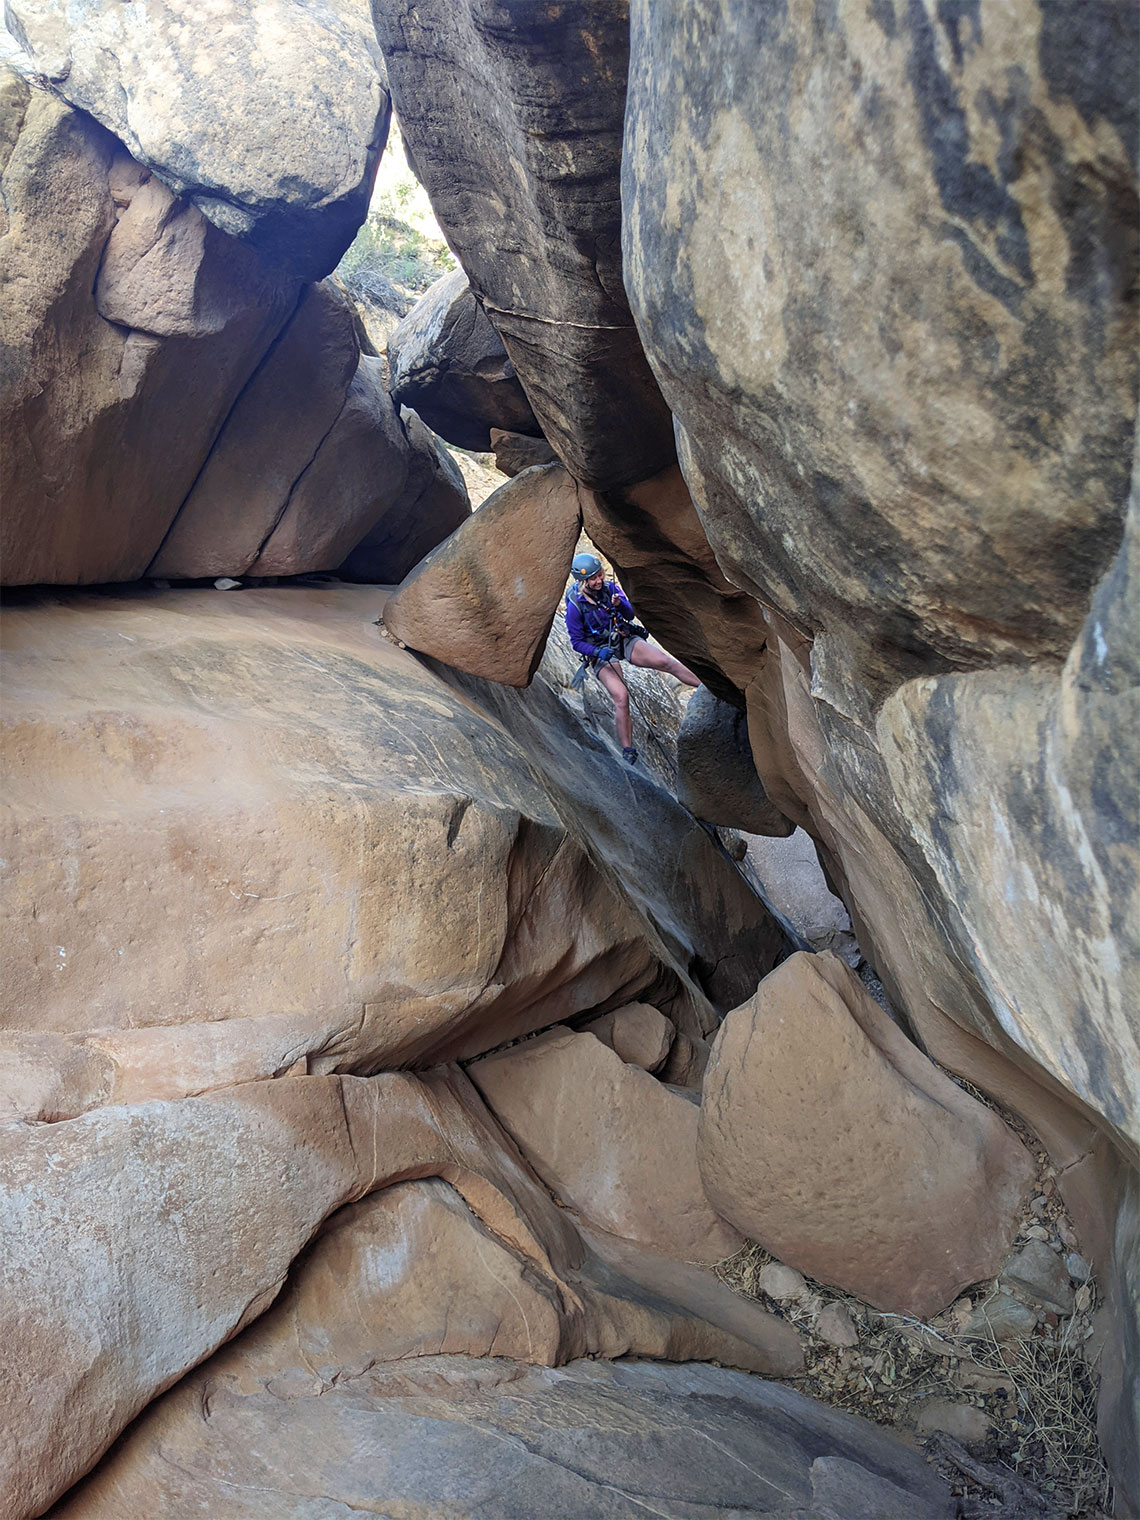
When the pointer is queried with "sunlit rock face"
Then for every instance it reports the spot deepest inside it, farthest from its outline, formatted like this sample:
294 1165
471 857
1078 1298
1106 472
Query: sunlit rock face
232 112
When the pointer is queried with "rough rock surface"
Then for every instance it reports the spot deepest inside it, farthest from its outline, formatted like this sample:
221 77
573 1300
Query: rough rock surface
598 796
1054 756
485 599
175 1223
716 775
449 364
382 878
492 1440
829 1138
413 1271
609 1141
108 413
435 501
237 118
172 404
843 305
516 134
515 451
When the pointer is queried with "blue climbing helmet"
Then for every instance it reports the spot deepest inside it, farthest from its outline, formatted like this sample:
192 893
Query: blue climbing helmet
584 566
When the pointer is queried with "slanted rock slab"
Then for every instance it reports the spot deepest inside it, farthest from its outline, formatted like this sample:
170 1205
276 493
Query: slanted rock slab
478 1439
485 599
609 1141
829 1138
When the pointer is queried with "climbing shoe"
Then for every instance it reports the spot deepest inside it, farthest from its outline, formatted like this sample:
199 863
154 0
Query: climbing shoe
629 755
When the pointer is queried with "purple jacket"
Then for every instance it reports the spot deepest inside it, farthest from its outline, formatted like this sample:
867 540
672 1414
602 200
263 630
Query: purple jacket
590 626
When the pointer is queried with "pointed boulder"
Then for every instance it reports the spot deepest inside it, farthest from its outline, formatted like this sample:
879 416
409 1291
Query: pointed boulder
484 600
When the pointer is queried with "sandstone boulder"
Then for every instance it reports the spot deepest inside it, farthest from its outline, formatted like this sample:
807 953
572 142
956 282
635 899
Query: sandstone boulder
485 599
638 1033
174 1224
1054 756
716 775
841 304
380 877
412 1271
449 364
516 135
486 1439
365 481
109 409
280 420
238 118
515 452
829 1138
610 1141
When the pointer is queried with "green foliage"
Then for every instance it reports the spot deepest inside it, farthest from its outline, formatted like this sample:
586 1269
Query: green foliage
400 244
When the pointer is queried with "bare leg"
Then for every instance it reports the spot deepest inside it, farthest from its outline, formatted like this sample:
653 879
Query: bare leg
612 681
656 659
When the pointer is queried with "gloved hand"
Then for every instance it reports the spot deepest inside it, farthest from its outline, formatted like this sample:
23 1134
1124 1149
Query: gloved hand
605 653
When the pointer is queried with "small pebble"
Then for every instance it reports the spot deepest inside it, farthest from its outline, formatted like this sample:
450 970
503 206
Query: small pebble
963 1422
784 1284
1037 1232
836 1327
1077 1267
226 583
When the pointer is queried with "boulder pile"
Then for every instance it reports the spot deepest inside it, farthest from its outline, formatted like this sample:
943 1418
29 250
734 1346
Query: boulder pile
383 1056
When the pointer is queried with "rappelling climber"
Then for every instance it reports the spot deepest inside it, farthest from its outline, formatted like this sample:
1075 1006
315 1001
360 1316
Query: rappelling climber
604 631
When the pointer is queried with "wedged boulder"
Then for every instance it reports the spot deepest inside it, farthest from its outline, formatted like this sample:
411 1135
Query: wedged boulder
842 304
515 452
716 775
435 501
449 364
516 135
485 599
130 326
279 422
487 1439
380 878
174 1225
833 1141
638 1033
610 1141
236 118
